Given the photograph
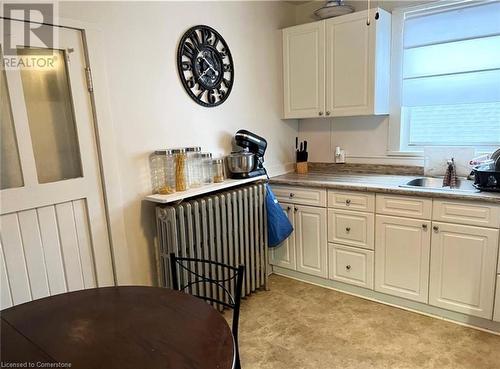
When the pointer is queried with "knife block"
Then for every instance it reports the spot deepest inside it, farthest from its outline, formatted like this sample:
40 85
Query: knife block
302 167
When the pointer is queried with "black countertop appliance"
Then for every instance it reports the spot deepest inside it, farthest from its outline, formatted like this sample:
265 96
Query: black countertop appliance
249 161
487 175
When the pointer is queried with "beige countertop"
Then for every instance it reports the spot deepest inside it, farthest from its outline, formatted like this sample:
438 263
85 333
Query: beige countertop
381 183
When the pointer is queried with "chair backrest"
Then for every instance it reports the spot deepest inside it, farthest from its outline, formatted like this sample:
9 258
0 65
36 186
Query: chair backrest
217 283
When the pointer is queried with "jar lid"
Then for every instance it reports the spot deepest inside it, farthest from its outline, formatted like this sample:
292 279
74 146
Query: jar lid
193 149
179 151
218 161
206 155
164 152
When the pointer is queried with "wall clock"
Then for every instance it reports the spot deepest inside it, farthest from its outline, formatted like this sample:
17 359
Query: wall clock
205 66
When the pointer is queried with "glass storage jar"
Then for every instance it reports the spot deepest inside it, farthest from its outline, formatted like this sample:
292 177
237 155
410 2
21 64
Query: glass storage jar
206 167
218 170
181 170
162 165
194 166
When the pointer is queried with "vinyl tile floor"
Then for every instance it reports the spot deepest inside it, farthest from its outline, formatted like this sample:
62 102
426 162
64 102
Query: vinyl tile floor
296 325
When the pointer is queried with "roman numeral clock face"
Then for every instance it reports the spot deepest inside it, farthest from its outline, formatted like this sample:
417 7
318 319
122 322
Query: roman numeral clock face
205 66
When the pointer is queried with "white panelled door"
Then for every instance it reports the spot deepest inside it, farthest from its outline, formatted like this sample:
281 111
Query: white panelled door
54 235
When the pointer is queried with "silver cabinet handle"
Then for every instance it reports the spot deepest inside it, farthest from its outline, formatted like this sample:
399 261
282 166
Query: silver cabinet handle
424 226
348 202
347 229
348 267
435 228
327 112
320 113
292 194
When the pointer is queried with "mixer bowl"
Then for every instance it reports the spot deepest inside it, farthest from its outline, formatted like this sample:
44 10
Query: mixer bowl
240 162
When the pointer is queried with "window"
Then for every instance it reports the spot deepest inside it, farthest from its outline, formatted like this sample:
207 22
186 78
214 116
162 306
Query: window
447 75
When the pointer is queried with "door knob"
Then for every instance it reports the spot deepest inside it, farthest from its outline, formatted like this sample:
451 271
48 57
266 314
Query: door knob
327 112
295 209
435 228
348 267
320 113
424 226
347 229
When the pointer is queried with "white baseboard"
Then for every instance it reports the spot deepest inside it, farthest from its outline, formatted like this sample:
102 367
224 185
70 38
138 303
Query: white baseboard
398 302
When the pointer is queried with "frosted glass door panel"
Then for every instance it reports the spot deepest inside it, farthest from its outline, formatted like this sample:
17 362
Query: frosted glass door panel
51 119
11 174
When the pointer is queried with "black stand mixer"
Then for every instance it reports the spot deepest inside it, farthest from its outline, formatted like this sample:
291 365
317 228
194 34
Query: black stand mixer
249 161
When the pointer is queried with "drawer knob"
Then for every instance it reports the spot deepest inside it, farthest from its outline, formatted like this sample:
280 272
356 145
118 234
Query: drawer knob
424 226
348 267
435 228
347 229
292 194
320 113
288 208
295 209
348 202
327 112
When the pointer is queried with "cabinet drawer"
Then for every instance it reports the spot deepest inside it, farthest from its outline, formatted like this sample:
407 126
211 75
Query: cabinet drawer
351 228
467 213
351 200
350 265
404 206
496 315
301 195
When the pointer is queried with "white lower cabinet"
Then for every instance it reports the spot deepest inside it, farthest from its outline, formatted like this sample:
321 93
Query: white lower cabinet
310 240
402 248
463 268
305 250
284 254
451 262
350 265
496 314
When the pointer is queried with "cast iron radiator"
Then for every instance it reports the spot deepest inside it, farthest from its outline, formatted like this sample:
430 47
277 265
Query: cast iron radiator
228 227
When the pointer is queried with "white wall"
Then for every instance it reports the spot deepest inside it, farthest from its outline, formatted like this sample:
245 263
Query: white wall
365 139
151 110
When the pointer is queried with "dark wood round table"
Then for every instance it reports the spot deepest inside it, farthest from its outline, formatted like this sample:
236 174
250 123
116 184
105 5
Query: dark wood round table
117 327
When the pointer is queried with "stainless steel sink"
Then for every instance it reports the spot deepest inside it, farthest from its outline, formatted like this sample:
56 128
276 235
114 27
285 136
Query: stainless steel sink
463 185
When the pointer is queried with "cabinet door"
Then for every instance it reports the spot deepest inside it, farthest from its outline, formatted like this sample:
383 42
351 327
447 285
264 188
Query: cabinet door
349 61
402 248
463 268
310 240
284 254
357 64
496 314
304 70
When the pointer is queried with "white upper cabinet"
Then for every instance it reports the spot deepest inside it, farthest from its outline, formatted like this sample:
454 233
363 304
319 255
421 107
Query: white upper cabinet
304 70
355 76
357 64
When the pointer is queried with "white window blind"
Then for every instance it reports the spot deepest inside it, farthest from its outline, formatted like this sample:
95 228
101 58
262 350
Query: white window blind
451 76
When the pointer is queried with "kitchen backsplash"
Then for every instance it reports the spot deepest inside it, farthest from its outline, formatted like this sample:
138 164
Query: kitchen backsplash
435 160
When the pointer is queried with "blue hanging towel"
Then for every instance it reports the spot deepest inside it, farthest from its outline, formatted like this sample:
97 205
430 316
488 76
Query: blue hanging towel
278 224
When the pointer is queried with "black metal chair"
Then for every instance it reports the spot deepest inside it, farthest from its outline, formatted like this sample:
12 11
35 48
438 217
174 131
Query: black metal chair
213 282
